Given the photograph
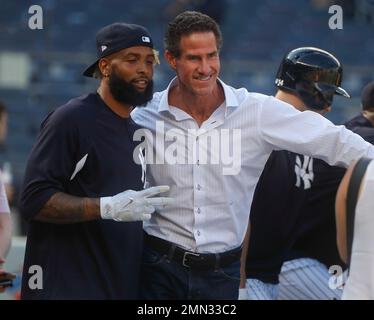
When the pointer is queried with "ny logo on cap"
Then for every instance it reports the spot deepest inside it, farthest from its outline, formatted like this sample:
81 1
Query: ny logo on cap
103 48
146 39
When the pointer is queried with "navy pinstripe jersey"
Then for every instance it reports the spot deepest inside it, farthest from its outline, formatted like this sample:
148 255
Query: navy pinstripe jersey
317 238
289 223
86 150
280 192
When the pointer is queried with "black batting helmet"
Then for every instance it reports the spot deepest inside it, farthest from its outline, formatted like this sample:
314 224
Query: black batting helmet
313 74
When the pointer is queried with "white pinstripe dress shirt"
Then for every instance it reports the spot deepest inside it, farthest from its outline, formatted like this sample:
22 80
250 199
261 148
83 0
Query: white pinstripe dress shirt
214 196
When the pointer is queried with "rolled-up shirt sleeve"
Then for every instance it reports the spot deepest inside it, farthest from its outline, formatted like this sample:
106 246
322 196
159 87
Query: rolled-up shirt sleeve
309 133
50 164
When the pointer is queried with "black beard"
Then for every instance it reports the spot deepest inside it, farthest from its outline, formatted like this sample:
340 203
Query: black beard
124 92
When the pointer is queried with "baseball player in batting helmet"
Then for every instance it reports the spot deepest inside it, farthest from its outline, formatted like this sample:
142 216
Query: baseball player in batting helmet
297 226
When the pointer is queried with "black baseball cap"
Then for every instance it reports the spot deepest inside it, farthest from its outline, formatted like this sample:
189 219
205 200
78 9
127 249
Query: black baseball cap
367 96
118 36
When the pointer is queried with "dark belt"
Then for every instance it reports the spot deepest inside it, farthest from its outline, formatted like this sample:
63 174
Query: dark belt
191 259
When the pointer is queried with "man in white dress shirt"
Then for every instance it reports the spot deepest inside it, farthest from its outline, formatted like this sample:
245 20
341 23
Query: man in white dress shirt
209 142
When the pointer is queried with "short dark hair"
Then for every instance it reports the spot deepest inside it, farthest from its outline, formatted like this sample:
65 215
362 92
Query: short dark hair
367 96
186 23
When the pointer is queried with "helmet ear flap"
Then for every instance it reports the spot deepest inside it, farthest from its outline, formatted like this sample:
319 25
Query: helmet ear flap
289 76
310 95
286 76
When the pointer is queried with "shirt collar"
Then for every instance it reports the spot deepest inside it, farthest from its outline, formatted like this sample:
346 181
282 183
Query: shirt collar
230 97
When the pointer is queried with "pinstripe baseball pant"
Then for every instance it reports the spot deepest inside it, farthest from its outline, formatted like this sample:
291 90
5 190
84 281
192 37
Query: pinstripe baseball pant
306 279
300 279
258 290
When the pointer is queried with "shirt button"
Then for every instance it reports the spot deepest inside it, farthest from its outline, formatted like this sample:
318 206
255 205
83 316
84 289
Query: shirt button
198 210
198 233
198 162
198 187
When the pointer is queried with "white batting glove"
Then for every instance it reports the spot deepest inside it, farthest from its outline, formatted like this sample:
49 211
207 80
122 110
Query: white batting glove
133 205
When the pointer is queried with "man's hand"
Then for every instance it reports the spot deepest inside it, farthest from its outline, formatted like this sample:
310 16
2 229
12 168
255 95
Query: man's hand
128 205
133 205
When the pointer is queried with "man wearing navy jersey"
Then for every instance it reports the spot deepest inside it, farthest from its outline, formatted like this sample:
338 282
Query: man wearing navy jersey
82 191
363 124
298 224
314 250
